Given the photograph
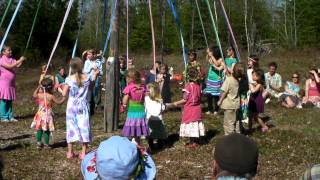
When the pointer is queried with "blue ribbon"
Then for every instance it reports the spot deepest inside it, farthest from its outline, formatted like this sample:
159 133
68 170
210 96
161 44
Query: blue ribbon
176 17
110 27
79 29
10 24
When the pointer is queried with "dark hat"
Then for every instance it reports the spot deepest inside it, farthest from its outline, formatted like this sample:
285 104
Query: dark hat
237 153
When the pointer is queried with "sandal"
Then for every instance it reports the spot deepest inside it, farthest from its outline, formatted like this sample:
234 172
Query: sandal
265 129
70 155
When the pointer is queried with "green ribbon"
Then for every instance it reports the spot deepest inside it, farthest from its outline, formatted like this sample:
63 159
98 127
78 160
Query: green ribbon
215 28
32 27
5 13
204 32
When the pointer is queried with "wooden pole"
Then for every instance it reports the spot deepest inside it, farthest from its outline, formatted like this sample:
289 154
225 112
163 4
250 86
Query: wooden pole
111 108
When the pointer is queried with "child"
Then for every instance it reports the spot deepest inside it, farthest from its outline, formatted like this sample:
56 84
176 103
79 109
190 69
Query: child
230 101
123 72
60 78
99 61
192 63
256 101
230 60
163 78
89 68
312 89
8 66
215 79
47 74
191 123
253 63
43 120
135 125
154 108
77 112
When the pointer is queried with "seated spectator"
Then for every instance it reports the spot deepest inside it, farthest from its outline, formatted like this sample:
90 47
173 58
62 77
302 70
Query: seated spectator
235 157
312 173
118 158
289 98
60 78
312 89
273 82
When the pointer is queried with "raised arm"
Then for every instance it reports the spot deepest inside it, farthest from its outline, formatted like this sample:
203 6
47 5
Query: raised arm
254 88
35 92
14 65
58 101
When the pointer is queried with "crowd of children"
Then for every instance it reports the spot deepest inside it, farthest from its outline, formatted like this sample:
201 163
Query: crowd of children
241 92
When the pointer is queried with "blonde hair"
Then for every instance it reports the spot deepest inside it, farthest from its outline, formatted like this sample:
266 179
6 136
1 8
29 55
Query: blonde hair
85 53
134 75
76 68
154 92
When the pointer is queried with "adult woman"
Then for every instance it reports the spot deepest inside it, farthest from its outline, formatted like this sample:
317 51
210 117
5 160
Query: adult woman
8 66
214 79
289 98
312 88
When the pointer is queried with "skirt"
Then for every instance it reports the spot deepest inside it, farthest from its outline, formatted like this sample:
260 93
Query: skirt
213 87
157 128
193 129
135 125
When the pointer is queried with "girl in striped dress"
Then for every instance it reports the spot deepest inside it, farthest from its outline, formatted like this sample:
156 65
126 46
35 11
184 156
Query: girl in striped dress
214 79
134 93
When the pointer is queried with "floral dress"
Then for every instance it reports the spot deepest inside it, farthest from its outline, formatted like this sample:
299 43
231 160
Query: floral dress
43 120
77 113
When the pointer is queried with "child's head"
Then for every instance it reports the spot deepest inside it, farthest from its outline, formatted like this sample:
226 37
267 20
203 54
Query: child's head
158 64
123 61
163 69
214 51
76 65
192 55
88 54
47 84
258 76
238 71
133 76
61 70
44 66
253 61
6 51
230 51
193 74
311 75
154 92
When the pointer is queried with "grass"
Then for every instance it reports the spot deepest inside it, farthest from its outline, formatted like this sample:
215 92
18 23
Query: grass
285 152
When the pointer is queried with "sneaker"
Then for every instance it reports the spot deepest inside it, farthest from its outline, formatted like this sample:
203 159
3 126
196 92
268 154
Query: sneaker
39 145
246 120
264 129
215 113
5 120
208 113
47 146
13 120
267 100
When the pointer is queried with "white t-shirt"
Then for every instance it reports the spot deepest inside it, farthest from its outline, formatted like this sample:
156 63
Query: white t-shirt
153 108
249 75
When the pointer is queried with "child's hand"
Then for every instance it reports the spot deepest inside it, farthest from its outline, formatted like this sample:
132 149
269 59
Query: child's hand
219 103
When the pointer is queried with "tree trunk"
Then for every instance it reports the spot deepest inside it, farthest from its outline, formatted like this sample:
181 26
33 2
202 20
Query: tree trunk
285 22
111 104
192 26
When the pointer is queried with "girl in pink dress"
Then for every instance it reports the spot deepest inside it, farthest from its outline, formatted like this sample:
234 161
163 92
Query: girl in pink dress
191 122
8 66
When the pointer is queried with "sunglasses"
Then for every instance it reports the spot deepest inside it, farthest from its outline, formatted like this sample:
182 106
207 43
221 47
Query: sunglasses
295 76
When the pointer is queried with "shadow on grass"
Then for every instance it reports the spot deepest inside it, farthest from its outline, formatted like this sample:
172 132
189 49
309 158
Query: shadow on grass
172 138
60 144
208 136
12 147
24 136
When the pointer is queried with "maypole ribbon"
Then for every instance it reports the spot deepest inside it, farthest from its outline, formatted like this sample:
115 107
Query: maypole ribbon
5 12
152 32
110 27
230 29
10 24
127 35
59 35
215 29
176 17
79 29
204 32
32 27
78 33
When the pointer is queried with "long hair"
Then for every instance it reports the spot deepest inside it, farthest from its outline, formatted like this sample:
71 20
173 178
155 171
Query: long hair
215 51
260 76
76 68
154 92
47 84
134 75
